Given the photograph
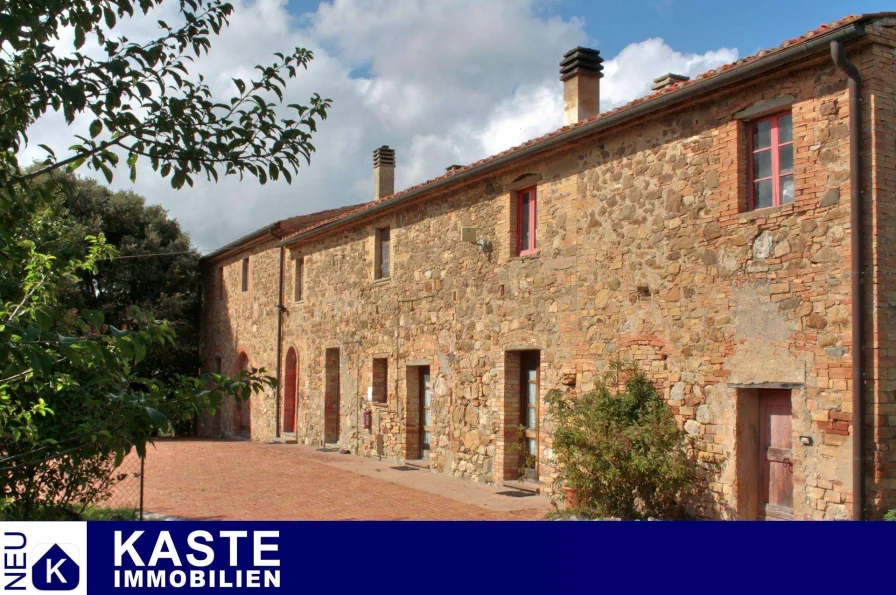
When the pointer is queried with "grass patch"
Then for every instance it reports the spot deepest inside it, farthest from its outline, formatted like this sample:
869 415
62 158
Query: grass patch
99 513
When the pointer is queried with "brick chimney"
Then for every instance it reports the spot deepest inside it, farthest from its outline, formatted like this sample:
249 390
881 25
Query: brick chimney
668 79
383 172
581 71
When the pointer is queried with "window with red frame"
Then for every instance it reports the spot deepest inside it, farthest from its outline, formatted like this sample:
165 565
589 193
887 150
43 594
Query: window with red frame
771 157
525 221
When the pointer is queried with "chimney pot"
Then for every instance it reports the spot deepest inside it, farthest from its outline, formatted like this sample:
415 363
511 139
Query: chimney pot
581 70
383 172
668 79
452 168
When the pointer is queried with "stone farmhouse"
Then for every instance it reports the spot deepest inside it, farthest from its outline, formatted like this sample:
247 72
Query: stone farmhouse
733 235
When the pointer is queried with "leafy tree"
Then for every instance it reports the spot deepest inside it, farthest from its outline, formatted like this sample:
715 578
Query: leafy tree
74 385
156 269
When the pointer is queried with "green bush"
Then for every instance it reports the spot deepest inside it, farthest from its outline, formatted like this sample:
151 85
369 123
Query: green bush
623 452
891 515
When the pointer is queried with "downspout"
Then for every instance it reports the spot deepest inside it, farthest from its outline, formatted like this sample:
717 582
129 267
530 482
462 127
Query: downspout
857 243
280 310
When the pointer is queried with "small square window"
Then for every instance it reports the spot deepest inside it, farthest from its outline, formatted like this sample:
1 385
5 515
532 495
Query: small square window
380 379
245 275
218 364
383 254
771 161
299 279
526 213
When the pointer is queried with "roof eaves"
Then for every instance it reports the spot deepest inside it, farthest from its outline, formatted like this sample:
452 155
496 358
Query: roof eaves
240 242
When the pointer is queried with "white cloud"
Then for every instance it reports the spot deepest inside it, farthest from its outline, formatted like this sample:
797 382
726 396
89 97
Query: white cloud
441 82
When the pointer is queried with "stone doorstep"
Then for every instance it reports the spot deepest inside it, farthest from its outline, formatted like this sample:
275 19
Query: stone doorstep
285 439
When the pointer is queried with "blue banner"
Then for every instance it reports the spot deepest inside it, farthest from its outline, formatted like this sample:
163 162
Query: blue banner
426 557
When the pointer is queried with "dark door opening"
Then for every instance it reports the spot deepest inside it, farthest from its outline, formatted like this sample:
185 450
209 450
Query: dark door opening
331 396
775 455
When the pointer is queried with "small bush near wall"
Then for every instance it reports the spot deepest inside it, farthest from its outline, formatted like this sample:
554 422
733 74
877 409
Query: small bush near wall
621 452
891 515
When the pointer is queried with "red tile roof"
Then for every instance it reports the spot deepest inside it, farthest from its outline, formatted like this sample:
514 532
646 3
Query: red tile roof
664 91
284 228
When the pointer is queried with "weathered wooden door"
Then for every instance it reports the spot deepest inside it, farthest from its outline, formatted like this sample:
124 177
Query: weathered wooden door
331 396
290 391
775 455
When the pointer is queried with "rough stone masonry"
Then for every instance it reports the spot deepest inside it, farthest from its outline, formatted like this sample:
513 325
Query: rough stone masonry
646 249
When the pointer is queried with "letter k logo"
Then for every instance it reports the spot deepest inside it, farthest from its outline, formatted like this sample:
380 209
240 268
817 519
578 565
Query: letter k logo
55 571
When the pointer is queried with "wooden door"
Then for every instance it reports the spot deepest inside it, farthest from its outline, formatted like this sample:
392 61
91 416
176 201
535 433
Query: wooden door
776 455
425 412
331 396
290 390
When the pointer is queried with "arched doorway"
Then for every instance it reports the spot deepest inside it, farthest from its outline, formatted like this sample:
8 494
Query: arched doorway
290 389
242 412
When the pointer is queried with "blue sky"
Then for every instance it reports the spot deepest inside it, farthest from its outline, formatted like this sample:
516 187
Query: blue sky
441 81
694 25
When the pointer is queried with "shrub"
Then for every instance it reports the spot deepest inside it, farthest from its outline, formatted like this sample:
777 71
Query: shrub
58 489
891 515
623 454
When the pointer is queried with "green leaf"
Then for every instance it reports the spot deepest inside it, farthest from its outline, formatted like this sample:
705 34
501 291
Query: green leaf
109 16
106 172
95 128
79 37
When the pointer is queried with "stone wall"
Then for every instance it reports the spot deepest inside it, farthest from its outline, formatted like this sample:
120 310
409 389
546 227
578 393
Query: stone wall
243 322
646 252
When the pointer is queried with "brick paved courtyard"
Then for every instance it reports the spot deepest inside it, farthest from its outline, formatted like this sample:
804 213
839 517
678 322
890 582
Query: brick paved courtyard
218 479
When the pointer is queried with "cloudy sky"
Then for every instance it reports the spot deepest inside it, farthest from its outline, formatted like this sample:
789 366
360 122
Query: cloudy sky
441 81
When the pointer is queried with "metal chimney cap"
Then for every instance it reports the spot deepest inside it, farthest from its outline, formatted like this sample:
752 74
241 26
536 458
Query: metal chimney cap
581 60
384 156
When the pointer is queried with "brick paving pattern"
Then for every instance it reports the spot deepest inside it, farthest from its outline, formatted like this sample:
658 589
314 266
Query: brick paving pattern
240 480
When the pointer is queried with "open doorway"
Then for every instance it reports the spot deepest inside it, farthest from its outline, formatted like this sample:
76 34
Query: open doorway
520 439
331 396
418 421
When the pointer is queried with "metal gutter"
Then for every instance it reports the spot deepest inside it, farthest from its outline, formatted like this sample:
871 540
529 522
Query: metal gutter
280 310
857 246
737 74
